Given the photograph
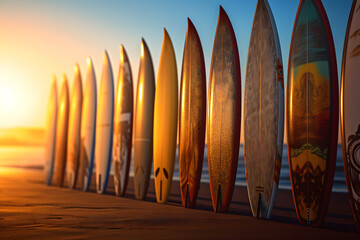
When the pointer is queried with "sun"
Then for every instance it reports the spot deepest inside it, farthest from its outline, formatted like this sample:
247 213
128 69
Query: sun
11 98
8 100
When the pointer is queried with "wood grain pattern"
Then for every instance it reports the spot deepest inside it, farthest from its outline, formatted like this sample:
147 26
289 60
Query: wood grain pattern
192 119
224 114
264 112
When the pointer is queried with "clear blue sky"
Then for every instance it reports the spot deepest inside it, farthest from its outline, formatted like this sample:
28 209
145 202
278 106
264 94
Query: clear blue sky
42 37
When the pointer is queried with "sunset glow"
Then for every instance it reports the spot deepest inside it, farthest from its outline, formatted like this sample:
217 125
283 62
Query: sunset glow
40 38
16 98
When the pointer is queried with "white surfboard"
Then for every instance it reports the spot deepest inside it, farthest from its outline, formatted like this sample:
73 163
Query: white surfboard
104 125
73 144
50 135
264 112
88 123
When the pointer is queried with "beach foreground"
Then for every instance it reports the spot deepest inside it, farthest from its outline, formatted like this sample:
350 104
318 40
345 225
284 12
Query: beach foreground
30 209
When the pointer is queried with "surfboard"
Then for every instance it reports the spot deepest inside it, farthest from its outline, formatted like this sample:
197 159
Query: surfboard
192 119
264 112
87 132
350 112
165 120
104 126
224 114
73 143
123 124
61 134
312 112
50 135
143 124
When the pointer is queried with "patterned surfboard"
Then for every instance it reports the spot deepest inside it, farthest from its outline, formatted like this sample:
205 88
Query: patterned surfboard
350 112
312 112
123 123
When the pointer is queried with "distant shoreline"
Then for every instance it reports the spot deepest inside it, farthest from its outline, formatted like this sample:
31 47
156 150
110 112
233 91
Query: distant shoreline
22 136
20 144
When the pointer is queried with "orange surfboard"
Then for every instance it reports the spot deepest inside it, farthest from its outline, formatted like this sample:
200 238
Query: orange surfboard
192 119
165 120
224 114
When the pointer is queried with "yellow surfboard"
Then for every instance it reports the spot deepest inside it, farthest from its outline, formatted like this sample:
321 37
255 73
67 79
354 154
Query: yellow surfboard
165 120
50 134
144 123
73 141
61 135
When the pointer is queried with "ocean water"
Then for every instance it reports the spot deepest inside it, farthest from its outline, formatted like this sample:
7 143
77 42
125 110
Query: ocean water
33 157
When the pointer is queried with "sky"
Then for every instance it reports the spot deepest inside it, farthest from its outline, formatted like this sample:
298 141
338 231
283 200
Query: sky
39 38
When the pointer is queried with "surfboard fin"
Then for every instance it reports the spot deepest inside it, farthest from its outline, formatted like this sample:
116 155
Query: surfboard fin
262 210
138 192
187 196
258 214
160 189
99 188
218 203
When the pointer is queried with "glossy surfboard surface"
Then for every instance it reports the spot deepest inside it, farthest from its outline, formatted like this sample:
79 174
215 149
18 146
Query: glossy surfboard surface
312 112
73 144
123 123
87 132
50 135
264 112
144 119
104 126
224 114
165 120
61 134
350 112
192 119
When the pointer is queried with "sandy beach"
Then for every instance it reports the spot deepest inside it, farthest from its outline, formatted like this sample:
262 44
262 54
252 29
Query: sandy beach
30 209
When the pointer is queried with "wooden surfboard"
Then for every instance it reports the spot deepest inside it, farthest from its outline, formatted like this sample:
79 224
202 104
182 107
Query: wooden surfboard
144 119
123 123
165 120
50 135
224 115
73 143
87 132
61 134
192 117
104 126
312 112
350 112
264 112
